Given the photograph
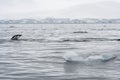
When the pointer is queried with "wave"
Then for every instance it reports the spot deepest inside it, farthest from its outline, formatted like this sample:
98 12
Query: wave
67 39
80 32
60 40
86 39
74 57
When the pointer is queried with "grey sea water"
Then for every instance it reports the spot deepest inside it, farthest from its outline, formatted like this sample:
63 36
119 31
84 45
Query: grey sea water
48 51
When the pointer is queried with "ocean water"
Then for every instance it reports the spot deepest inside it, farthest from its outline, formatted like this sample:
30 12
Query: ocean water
60 52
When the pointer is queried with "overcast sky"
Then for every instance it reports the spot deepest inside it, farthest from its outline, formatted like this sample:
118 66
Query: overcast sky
17 9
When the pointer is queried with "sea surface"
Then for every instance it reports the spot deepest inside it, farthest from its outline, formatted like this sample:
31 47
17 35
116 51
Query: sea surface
60 52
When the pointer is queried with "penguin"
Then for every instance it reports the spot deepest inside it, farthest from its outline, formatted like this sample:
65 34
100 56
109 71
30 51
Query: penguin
16 37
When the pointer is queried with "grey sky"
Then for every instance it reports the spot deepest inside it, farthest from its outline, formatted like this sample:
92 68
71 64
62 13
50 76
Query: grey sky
16 9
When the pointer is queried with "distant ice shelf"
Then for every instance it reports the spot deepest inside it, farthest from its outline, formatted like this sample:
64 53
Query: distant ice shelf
61 21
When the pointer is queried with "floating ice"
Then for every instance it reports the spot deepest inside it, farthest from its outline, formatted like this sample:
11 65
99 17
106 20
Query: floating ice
96 57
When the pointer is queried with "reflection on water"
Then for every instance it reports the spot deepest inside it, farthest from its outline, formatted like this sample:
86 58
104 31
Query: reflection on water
72 67
39 54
